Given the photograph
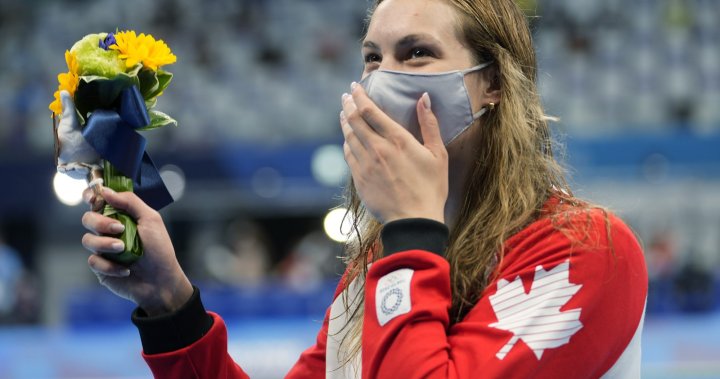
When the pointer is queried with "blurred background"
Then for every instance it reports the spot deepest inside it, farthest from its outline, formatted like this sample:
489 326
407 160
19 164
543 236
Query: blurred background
256 167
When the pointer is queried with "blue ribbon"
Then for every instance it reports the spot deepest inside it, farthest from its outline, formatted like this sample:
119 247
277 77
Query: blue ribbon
111 132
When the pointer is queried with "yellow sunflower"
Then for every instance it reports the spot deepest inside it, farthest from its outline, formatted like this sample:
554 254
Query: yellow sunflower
142 49
71 62
68 81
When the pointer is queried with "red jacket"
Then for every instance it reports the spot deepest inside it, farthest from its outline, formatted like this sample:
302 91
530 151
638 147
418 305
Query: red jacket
566 304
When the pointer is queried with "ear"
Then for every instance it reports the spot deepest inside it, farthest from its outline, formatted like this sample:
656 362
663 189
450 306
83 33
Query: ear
489 85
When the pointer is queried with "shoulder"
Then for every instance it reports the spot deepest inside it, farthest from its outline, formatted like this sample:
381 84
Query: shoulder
593 227
572 286
593 247
561 232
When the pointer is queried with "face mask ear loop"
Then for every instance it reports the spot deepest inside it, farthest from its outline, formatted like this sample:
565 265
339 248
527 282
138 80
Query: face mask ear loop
481 66
475 68
479 113
476 116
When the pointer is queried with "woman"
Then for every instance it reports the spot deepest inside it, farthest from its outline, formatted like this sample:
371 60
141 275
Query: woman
483 263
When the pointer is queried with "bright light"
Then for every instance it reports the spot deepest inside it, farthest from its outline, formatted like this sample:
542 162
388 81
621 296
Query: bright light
334 226
174 179
68 190
328 165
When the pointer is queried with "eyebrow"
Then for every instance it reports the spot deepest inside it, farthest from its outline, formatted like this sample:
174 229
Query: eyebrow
370 45
405 41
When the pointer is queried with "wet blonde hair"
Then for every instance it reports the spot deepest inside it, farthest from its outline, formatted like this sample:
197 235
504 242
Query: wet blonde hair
512 177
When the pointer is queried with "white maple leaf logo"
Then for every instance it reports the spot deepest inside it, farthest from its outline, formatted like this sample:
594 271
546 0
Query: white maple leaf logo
535 317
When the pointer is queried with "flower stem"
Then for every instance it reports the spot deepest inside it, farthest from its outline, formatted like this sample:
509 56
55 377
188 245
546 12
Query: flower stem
118 182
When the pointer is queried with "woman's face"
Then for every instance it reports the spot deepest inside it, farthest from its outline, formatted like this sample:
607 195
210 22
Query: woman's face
421 36
414 35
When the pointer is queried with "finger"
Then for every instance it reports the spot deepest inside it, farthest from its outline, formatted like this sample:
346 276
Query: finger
88 196
102 266
352 163
350 158
97 204
362 130
429 126
128 202
353 143
102 244
91 198
100 224
378 120
68 106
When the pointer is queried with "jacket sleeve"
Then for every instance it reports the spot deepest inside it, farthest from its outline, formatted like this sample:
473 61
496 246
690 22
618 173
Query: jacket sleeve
559 306
188 343
192 343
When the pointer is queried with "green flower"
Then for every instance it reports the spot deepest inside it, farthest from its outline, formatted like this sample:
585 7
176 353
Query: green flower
95 61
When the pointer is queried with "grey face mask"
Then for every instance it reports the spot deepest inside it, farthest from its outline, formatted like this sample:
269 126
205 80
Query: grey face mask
397 94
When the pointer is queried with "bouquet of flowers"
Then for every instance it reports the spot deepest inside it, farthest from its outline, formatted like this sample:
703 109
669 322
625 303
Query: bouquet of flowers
108 95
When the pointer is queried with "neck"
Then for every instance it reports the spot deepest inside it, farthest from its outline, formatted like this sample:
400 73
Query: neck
458 174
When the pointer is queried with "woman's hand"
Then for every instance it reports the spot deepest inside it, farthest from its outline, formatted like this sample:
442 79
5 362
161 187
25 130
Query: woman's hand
155 282
395 175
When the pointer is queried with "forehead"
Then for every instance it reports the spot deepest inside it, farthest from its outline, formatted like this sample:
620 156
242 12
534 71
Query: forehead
395 19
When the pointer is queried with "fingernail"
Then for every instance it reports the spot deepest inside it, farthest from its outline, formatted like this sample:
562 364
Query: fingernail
125 273
342 116
345 96
353 85
118 246
117 227
426 101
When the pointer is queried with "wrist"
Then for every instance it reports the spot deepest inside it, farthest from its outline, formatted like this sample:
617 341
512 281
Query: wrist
168 299
435 216
173 331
